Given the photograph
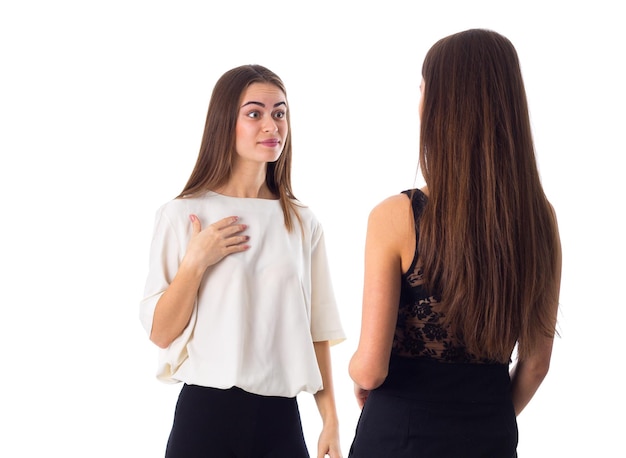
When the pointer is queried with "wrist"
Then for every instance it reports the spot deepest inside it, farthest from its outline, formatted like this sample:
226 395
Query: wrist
330 421
191 268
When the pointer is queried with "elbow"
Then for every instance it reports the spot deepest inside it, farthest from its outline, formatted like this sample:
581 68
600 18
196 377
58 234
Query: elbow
160 340
161 344
535 369
369 383
367 377
539 369
540 364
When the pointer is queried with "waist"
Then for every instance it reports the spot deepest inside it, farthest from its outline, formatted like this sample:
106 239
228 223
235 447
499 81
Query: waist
430 380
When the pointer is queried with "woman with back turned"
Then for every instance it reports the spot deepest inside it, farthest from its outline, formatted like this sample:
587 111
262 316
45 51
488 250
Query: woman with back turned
460 273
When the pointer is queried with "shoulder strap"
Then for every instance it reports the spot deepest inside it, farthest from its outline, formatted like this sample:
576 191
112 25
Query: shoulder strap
418 201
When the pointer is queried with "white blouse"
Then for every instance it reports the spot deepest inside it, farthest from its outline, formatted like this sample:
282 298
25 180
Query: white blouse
257 312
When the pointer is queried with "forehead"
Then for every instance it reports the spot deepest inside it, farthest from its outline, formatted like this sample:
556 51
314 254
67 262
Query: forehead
261 92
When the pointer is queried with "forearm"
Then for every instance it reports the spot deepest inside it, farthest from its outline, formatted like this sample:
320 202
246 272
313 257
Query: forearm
328 443
528 374
325 398
525 381
369 366
174 308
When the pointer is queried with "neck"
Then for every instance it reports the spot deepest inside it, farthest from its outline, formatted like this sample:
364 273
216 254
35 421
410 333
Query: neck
247 180
233 189
249 183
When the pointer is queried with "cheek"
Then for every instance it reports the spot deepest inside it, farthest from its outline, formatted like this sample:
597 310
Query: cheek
242 132
284 130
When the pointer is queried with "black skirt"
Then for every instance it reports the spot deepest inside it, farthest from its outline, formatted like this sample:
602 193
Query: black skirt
211 422
430 409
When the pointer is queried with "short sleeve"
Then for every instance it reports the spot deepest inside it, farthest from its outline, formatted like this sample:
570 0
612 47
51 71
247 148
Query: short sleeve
166 254
164 259
325 319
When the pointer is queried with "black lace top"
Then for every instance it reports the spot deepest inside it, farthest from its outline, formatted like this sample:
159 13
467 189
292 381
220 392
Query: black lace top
419 331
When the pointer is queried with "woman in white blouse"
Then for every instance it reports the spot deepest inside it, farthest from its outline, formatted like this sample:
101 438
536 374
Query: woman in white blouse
238 296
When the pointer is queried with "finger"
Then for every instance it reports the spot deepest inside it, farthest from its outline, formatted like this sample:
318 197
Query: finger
229 231
195 223
235 249
225 222
236 240
334 453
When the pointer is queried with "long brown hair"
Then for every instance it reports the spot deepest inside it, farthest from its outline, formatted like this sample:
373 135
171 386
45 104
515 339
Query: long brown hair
214 164
488 236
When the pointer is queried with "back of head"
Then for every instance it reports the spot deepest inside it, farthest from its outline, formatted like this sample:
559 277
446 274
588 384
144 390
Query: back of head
487 232
475 111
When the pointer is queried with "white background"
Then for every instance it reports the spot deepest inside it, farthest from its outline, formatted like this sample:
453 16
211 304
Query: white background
102 106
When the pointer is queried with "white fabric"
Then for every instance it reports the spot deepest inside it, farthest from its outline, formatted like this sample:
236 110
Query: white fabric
258 312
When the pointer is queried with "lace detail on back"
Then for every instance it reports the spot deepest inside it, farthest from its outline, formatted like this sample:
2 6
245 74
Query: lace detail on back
420 331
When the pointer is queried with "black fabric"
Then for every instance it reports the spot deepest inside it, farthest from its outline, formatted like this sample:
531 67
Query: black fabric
430 409
420 331
232 423
438 400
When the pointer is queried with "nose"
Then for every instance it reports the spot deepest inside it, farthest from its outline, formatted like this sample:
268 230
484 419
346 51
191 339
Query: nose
270 125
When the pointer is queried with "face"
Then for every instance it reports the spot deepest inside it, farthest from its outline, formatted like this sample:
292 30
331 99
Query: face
261 128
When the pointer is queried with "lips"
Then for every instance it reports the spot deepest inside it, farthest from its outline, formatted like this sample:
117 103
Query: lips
272 142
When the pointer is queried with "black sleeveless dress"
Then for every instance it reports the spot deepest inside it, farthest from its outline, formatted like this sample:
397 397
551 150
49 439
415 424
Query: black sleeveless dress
439 400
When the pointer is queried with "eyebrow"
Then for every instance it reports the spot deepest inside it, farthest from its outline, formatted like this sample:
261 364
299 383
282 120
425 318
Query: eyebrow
252 102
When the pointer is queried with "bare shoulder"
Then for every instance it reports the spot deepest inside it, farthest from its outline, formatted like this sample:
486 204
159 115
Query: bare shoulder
393 216
391 205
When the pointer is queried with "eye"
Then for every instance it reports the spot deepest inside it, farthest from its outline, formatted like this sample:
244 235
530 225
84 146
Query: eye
253 114
280 114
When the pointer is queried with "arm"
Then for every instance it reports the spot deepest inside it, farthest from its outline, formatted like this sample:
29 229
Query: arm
389 227
206 247
528 374
328 443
